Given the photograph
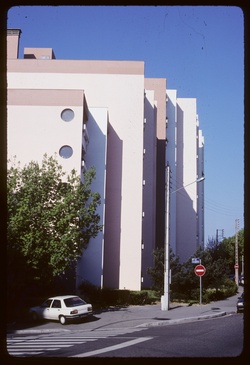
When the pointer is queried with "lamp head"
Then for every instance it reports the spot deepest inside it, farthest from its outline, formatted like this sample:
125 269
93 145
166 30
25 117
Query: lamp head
200 179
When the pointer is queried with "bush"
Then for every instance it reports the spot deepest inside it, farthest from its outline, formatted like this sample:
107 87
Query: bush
114 297
143 297
102 298
226 289
90 293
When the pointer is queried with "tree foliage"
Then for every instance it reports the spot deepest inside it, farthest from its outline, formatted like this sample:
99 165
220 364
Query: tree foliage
157 272
218 259
228 246
51 218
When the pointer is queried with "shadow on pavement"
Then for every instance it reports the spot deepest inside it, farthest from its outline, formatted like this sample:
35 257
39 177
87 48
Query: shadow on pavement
45 324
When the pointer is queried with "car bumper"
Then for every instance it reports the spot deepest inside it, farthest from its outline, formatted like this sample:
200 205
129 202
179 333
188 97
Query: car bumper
78 316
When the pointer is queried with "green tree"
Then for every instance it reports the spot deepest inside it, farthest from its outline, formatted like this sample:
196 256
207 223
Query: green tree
184 283
51 218
157 272
228 245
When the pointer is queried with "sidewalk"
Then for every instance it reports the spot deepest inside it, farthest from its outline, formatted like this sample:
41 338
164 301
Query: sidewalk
138 316
152 315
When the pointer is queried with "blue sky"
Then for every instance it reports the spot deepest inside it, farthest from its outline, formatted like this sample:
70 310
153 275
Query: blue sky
198 49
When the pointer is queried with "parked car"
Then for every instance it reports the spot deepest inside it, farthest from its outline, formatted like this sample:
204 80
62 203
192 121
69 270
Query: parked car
62 309
241 280
240 303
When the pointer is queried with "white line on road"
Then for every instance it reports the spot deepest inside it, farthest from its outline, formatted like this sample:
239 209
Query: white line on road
115 347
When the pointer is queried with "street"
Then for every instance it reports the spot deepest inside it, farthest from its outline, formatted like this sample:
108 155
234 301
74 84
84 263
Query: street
219 337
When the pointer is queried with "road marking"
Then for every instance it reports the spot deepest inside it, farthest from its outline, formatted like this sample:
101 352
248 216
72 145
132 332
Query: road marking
24 347
115 347
37 345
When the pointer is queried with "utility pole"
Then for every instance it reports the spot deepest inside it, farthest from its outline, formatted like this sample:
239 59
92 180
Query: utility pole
167 271
165 297
242 267
236 265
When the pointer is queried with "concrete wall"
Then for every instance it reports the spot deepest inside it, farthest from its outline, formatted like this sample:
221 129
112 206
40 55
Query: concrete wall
186 223
149 186
159 87
13 36
201 186
171 159
35 127
90 266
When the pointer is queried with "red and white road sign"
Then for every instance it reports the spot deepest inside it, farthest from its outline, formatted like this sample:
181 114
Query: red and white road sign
199 270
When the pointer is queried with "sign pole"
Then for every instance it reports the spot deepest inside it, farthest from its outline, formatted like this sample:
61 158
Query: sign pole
200 271
200 288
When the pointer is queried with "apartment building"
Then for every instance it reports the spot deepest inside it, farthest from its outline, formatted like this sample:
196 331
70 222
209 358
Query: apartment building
104 114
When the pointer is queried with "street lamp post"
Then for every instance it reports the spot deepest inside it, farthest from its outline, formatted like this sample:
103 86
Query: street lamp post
165 297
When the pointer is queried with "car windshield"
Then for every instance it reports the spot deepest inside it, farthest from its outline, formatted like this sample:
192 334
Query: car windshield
74 302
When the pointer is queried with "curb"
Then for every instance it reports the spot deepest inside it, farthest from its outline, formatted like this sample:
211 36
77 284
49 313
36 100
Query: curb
148 324
21 332
182 320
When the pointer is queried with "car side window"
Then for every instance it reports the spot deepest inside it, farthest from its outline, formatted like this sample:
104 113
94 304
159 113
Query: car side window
56 304
47 303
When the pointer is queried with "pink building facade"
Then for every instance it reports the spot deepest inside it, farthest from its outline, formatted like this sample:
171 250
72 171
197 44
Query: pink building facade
104 114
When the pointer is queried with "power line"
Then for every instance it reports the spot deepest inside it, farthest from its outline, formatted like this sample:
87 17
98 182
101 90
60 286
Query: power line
209 204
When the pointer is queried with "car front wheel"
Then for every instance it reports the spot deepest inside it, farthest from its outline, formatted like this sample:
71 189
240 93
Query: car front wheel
62 320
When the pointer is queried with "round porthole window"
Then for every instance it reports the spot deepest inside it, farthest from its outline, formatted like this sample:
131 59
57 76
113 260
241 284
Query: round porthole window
67 115
66 151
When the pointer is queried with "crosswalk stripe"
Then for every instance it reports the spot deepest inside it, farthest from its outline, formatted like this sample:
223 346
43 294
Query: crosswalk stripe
113 348
26 347
56 341
37 345
34 353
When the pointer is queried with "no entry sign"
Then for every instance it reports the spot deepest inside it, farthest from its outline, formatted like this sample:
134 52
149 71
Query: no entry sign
199 270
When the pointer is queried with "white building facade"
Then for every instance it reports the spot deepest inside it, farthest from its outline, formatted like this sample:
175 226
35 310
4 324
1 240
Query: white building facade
185 156
104 114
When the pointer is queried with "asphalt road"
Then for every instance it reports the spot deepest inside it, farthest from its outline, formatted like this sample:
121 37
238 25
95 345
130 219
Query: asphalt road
221 337
218 337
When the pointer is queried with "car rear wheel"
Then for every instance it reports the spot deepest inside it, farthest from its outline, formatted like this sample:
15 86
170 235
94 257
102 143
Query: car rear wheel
62 320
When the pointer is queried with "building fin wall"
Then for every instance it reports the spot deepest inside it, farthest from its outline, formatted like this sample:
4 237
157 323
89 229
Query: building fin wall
171 160
159 87
186 198
90 265
149 186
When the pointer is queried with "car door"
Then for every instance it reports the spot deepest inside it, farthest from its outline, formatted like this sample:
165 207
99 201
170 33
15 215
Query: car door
55 309
45 309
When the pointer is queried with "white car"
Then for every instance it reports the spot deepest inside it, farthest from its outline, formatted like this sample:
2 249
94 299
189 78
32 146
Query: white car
61 308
